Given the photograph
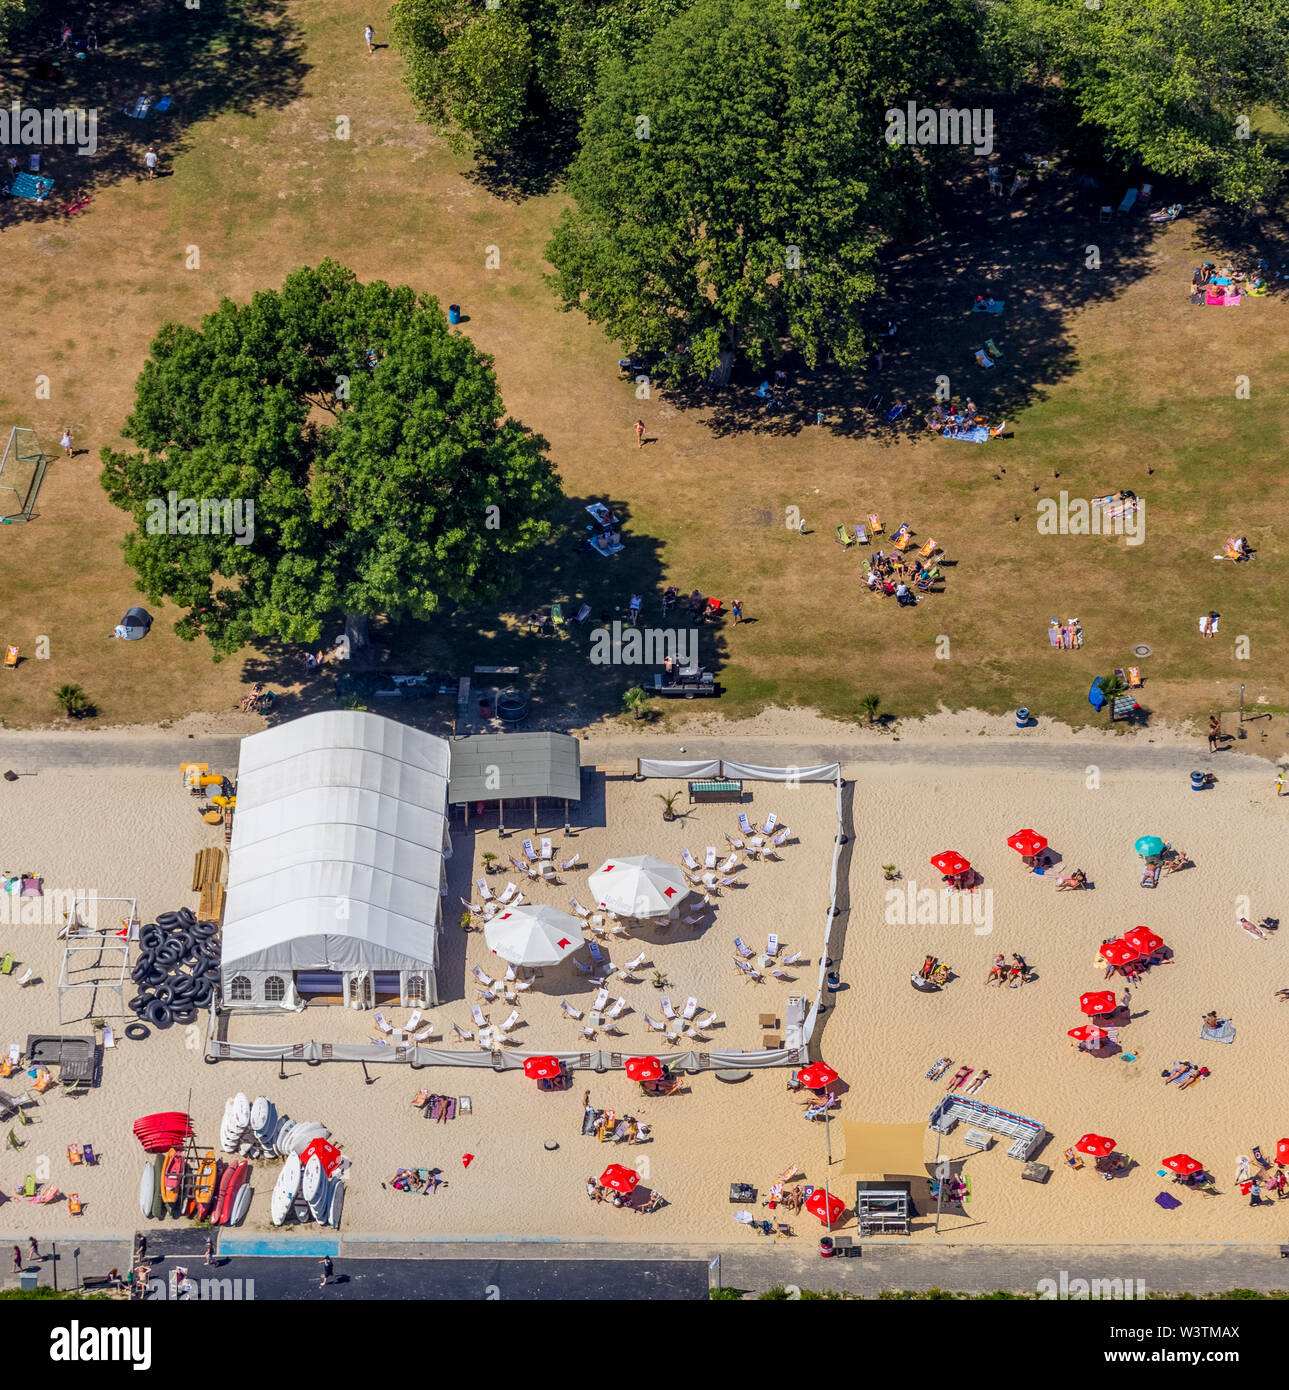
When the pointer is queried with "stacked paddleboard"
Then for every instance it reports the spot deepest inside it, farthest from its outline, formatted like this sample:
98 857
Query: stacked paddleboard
310 1186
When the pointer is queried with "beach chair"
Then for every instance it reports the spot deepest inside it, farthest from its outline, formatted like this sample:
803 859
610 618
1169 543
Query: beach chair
73 1154
87 1152
473 908
485 980
581 969
732 842
567 865
993 350
381 1022
601 999
690 1009
617 1010
529 852
597 953
792 959
860 534
523 986
709 859
779 975
14 1141
631 966
6 965
618 930
705 1024
28 1188
693 919
667 1011
420 1098
744 824
902 539
689 861
512 974
743 949
772 945
484 891
781 838
1150 875
743 966
1129 199
1134 677
728 864
654 1025
583 614
928 549
557 615
25 980
770 822
568 1010
462 1034
507 1024
508 895
424 1035
581 911
414 1022
477 1014
548 850
845 539
73 1204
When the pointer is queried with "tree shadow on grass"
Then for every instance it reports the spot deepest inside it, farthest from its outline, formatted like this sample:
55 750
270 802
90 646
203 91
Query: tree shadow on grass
227 55
534 166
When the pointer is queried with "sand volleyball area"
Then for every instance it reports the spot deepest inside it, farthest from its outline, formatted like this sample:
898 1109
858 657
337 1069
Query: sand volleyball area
134 834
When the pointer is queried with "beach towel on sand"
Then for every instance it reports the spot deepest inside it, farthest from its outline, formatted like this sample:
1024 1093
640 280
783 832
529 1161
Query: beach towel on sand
1167 1201
1223 1033
977 434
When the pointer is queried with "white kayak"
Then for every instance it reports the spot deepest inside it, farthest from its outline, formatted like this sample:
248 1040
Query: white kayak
263 1118
284 1138
337 1203
322 1203
312 1179
146 1183
241 1111
241 1204
285 1190
304 1134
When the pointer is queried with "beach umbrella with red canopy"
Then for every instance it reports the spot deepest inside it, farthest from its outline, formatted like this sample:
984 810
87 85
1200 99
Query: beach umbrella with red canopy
1088 1032
644 1068
1282 1150
816 1076
950 863
1027 842
1101 1001
1144 940
1183 1164
541 1068
620 1179
1095 1144
1119 953
825 1206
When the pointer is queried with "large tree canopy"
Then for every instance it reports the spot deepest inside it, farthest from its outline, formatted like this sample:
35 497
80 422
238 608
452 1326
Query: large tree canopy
734 182
490 73
370 441
1171 84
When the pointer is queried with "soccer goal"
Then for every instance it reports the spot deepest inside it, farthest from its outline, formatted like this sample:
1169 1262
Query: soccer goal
22 470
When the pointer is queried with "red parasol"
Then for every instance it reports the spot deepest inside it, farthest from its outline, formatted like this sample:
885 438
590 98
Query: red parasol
1119 953
644 1068
825 1206
1088 1032
541 1068
1183 1164
1095 1144
1101 1001
1282 1150
950 863
620 1179
1027 842
1144 940
816 1076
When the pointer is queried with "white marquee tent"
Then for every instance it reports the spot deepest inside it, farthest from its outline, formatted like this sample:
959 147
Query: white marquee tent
336 864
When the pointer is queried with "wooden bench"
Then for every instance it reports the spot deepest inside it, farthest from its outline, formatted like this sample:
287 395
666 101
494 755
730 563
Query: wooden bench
717 790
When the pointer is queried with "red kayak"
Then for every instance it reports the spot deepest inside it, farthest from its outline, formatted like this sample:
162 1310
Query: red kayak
238 1178
222 1180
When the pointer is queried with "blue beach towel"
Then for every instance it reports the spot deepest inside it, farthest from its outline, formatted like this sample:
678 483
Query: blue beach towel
1223 1033
984 307
977 434
1167 1201
29 186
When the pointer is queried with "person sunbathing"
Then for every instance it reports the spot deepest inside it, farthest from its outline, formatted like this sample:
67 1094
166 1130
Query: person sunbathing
655 1199
996 970
928 965
1078 879
1254 931
973 1086
959 1077
1177 1070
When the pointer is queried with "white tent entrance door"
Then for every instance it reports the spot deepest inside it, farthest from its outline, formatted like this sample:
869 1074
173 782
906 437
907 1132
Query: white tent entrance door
389 986
320 986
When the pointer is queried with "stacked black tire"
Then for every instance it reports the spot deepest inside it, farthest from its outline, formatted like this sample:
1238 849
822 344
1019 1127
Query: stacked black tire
177 970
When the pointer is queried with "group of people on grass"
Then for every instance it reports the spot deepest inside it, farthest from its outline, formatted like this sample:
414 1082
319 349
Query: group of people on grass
887 574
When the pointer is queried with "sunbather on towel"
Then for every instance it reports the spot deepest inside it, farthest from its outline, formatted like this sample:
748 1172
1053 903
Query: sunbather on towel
1177 1070
973 1086
959 1077
943 1065
1253 930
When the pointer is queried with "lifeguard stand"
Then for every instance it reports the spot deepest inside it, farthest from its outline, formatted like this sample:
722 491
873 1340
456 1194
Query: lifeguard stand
883 1207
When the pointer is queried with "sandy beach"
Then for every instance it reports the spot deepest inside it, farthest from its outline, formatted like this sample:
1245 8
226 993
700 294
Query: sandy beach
134 833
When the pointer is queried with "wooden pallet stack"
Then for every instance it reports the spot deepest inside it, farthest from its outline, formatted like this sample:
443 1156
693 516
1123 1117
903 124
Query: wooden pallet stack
207 879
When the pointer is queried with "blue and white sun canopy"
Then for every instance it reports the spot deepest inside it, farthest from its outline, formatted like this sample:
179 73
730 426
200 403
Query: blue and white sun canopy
337 850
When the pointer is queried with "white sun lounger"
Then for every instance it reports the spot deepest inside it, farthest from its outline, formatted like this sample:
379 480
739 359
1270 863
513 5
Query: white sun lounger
601 1000
509 1023
743 949
548 850
654 1024
667 1010
744 824
508 893
476 1013
381 1022
770 822
582 912
690 1009
568 1010
689 861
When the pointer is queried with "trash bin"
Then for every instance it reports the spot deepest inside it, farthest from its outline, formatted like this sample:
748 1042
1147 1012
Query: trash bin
454 313
1197 781
825 1247
832 982
1022 718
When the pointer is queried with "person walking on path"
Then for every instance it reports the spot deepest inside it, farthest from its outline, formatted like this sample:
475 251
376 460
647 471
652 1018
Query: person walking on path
33 1250
17 1259
640 434
736 607
210 1250
150 159
66 441
325 1262
1214 731
370 35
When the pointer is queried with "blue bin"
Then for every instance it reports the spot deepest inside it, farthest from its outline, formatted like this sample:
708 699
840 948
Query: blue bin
1022 718
1197 781
454 313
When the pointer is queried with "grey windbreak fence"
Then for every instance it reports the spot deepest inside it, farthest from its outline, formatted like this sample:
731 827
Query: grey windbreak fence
796 1054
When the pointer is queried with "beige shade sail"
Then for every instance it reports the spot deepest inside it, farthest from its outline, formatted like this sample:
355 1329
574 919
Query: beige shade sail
885 1150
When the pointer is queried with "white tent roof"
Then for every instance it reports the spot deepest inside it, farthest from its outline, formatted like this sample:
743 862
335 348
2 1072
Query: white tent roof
337 849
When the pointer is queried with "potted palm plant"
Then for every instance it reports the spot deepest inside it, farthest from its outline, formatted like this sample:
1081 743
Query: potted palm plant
668 800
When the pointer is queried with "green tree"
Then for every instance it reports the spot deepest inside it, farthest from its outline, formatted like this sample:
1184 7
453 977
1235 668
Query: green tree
12 14
1170 84
734 183
367 438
